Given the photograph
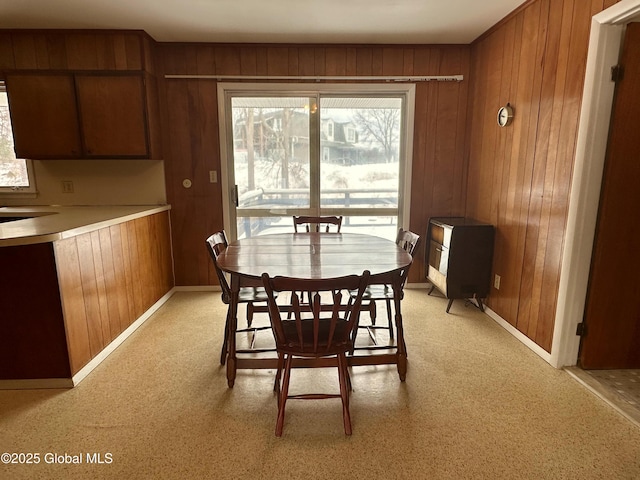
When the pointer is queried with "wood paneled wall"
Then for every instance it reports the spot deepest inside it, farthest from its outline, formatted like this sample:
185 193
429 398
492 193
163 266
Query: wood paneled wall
108 278
519 176
189 110
76 50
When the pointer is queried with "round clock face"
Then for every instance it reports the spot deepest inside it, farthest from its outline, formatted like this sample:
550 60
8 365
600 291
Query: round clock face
505 116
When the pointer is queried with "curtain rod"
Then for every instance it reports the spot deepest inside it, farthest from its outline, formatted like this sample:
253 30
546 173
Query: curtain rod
318 78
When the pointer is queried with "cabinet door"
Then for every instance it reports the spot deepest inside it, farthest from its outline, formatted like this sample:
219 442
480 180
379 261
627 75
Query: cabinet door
43 115
113 117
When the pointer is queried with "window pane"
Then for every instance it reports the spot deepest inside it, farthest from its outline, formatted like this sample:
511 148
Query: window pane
271 152
379 226
298 150
360 145
13 171
254 226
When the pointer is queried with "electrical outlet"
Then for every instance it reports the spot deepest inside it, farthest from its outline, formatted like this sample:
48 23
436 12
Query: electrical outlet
213 176
67 186
496 282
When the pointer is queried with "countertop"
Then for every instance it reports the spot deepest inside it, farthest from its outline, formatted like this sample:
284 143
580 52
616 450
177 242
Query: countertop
51 223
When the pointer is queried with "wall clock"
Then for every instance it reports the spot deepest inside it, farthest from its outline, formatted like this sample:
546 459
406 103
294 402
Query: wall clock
505 115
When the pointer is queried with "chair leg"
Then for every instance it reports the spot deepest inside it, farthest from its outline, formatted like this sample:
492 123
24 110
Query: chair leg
390 319
250 310
373 312
276 384
223 351
344 392
355 330
284 393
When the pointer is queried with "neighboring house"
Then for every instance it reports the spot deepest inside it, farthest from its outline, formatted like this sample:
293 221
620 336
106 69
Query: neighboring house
273 130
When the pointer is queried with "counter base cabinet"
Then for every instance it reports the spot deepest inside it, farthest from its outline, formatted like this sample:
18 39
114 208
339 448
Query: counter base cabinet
69 299
459 257
32 335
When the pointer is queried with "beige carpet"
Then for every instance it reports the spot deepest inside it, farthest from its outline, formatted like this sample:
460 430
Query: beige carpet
476 404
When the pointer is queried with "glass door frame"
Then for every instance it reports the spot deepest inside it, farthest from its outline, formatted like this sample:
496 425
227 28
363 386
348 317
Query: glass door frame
226 90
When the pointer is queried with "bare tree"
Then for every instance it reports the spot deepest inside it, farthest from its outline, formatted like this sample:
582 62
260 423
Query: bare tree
380 126
279 144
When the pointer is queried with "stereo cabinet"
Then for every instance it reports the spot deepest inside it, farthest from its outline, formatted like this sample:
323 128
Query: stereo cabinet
459 257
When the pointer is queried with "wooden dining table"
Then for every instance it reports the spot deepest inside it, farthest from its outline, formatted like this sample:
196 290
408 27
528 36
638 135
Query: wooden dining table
314 256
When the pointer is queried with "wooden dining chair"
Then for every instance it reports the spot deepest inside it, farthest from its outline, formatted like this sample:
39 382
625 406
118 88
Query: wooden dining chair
216 244
408 241
317 224
317 330
324 224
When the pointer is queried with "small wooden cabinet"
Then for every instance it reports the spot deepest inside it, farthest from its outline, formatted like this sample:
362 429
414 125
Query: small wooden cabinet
80 115
459 257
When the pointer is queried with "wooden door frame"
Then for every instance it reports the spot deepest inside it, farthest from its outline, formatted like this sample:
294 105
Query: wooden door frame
607 34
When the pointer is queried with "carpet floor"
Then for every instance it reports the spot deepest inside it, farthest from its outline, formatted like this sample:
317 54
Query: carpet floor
477 404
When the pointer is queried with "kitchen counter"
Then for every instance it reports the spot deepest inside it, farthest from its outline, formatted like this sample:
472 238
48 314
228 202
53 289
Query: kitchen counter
77 281
51 223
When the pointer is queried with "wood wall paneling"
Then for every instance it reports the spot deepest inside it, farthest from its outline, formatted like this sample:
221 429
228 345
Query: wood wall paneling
191 129
112 292
75 314
519 176
89 282
73 50
108 279
6 52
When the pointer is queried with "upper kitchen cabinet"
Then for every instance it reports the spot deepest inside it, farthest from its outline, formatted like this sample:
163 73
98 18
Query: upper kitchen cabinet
44 116
82 93
81 115
112 114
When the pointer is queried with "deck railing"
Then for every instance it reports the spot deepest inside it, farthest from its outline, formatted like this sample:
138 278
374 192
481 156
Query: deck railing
295 198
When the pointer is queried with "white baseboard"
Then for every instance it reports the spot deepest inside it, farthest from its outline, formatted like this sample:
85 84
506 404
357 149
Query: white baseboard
98 359
546 356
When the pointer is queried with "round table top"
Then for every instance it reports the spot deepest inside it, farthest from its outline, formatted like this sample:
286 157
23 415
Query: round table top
313 255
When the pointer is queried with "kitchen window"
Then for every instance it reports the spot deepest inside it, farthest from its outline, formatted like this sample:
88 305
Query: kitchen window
16 174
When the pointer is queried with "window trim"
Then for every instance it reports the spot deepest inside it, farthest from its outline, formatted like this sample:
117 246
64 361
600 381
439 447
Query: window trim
226 90
24 192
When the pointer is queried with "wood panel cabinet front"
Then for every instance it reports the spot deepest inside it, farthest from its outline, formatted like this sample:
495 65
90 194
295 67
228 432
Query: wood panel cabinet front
108 279
44 115
112 115
67 115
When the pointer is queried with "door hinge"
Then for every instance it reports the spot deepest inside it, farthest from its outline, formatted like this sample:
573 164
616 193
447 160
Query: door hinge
581 329
617 72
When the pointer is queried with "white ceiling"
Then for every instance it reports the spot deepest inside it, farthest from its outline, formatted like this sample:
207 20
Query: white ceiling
269 21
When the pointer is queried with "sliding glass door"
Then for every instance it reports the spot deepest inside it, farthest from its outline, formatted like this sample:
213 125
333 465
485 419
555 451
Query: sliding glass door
335 151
